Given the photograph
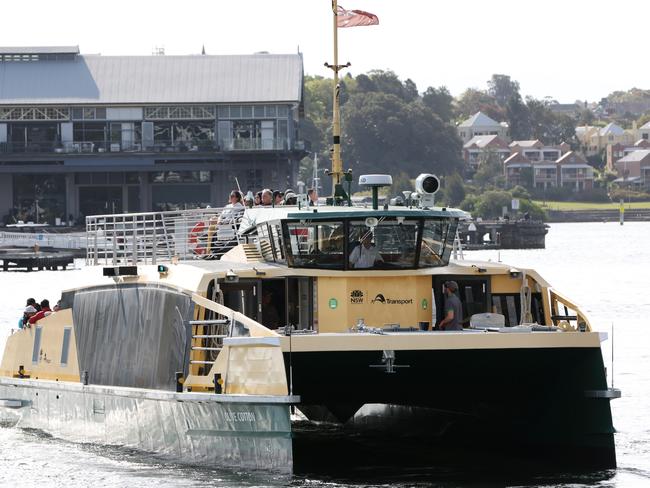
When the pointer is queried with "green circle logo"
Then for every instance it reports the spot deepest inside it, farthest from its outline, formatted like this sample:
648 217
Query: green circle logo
425 304
333 303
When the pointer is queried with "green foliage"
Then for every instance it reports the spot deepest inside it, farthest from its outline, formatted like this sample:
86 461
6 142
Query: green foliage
534 211
490 170
491 203
502 89
384 133
520 192
473 100
440 102
454 191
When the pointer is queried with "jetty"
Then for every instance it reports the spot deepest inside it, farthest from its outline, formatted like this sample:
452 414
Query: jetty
503 234
34 260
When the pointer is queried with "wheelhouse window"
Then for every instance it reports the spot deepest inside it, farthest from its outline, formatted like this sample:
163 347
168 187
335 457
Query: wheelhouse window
437 239
384 243
316 244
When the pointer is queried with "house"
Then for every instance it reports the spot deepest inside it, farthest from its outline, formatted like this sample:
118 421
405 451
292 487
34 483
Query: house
99 134
644 131
593 140
568 171
574 172
537 151
480 124
478 147
634 169
614 152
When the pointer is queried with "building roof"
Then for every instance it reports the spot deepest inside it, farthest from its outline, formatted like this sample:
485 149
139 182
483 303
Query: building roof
95 79
635 156
613 129
39 50
517 158
572 158
526 144
645 126
481 142
479 119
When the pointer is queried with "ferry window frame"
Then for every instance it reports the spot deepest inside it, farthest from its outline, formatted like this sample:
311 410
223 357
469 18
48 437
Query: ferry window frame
65 345
419 223
289 251
447 242
38 333
346 223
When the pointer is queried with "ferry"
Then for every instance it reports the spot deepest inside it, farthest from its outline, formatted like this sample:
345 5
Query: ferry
229 361
279 346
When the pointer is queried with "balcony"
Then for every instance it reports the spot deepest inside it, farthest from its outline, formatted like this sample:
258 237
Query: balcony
158 146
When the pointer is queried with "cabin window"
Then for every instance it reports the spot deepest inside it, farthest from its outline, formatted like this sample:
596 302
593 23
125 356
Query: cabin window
264 242
437 237
65 347
316 244
276 241
37 344
391 242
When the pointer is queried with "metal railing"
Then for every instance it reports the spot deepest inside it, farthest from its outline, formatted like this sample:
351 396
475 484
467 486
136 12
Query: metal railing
152 237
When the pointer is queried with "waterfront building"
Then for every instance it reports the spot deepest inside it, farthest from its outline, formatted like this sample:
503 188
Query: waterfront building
480 124
88 134
478 148
634 169
569 170
594 140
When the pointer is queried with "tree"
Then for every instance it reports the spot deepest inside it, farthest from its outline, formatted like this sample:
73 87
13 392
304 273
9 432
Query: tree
454 190
502 89
473 100
383 133
518 118
490 170
492 202
440 102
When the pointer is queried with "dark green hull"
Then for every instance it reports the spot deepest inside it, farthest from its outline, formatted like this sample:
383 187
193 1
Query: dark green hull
528 403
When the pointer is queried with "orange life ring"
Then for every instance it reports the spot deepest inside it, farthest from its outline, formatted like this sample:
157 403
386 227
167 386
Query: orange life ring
197 239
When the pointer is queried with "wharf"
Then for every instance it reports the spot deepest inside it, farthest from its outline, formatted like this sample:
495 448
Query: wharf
29 260
503 234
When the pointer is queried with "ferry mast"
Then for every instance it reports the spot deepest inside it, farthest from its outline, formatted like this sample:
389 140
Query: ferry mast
337 174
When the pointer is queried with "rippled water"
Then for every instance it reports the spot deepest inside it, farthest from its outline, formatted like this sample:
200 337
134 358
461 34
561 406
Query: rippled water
603 267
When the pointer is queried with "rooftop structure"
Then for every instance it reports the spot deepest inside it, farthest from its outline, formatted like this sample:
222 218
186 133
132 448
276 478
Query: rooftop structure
480 124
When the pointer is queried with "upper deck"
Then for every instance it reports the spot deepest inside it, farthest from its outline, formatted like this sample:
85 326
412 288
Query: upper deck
332 238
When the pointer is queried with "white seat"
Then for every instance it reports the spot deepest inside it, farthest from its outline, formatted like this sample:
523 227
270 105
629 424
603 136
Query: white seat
487 320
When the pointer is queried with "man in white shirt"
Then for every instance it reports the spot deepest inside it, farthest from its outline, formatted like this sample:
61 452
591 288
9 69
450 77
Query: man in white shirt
365 255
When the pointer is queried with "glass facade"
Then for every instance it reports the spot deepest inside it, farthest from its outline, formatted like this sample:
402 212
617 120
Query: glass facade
39 198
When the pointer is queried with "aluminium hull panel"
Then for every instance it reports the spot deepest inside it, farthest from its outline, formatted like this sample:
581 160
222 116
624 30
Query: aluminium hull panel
181 427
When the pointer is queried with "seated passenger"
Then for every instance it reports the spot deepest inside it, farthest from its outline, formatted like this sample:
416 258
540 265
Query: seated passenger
229 218
267 198
44 312
365 255
28 313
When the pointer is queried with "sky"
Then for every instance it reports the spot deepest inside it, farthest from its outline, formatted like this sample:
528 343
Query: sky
563 49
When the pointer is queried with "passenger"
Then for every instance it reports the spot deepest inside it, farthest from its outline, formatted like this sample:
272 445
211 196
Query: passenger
270 315
290 198
453 309
312 193
258 199
32 302
248 200
267 198
28 313
278 198
44 312
229 218
365 255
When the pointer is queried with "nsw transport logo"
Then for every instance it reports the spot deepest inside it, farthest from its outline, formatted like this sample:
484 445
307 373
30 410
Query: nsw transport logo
356 297
379 298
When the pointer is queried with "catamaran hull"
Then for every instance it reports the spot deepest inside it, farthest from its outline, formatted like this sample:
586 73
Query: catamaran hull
187 428
523 402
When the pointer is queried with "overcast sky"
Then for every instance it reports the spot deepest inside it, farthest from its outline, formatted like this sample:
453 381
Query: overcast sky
564 49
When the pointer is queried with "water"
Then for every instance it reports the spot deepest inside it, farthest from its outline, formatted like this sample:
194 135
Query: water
602 266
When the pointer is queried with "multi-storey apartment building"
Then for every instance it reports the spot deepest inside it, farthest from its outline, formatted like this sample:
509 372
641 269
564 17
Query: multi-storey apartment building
87 134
